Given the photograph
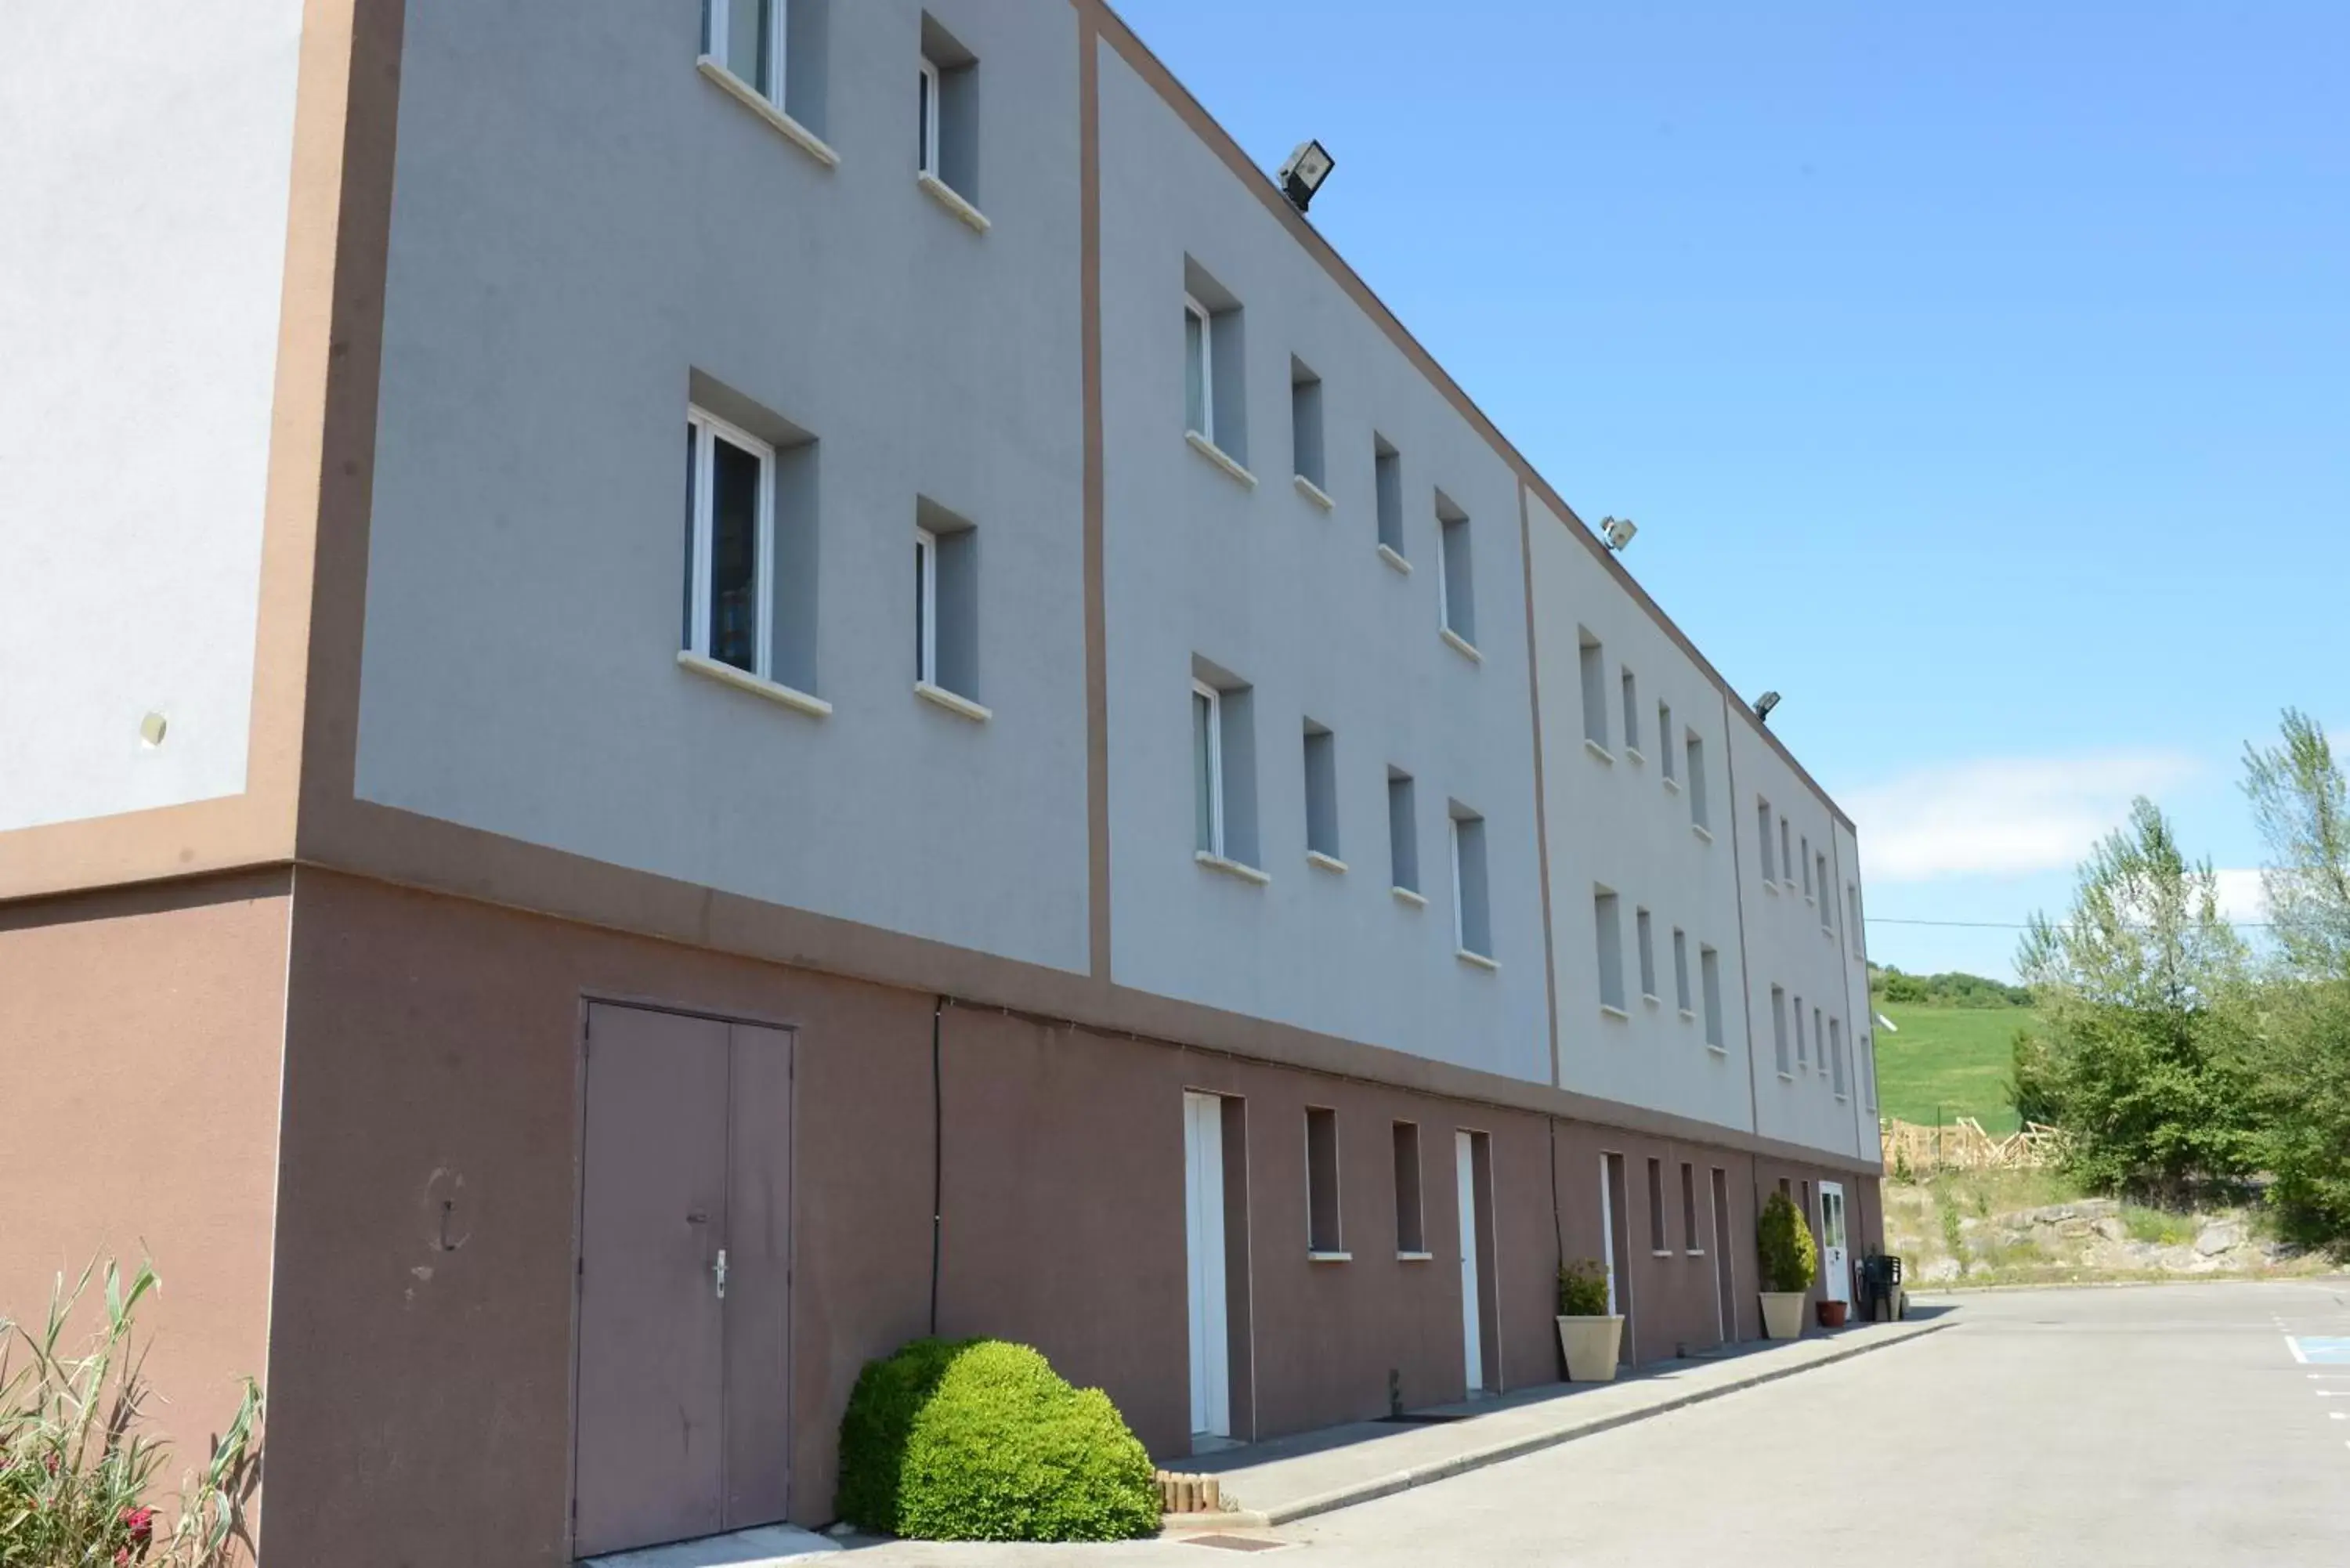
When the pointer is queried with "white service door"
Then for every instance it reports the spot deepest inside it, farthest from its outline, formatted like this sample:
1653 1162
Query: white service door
1836 1267
1203 1241
1472 1347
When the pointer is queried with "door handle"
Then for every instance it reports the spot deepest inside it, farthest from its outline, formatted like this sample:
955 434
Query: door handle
719 1269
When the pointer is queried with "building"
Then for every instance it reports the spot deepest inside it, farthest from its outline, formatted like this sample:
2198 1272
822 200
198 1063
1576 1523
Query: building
735 714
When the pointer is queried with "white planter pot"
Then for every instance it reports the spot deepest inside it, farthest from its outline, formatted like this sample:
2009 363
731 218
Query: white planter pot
1590 1345
1782 1315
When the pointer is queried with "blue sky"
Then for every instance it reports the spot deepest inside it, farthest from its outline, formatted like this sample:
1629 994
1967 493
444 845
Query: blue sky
1979 376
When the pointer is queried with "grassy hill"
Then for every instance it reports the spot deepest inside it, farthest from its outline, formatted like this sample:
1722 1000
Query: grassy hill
1957 1058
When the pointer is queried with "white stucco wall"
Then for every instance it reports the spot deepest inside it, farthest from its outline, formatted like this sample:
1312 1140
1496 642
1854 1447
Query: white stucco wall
145 152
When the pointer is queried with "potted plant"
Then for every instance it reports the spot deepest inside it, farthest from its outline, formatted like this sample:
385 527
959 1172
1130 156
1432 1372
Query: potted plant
1790 1262
1589 1335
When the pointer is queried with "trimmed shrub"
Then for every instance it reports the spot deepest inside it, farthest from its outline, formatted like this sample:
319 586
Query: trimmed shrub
1583 1288
982 1440
1791 1260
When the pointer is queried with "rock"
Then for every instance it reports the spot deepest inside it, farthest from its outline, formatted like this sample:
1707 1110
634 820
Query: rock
2220 1236
2077 1229
2110 1227
1935 1270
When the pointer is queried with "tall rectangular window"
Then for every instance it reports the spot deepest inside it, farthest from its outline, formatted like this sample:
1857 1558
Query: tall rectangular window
1688 1208
1806 860
1472 924
1593 659
1403 832
1820 880
1411 1239
1321 792
1864 1048
947 112
1665 740
1803 1050
1852 918
729 516
1709 963
1820 1039
1835 1053
1322 1231
1208 768
1658 1240
1386 489
946 602
1763 839
1215 387
1306 425
1608 926
1631 712
1779 1051
1682 996
1696 782
1645 945
1456 584
1786 855
746 37
926 119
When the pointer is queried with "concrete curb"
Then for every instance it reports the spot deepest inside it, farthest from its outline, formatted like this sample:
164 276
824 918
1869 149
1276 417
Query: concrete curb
1517 1447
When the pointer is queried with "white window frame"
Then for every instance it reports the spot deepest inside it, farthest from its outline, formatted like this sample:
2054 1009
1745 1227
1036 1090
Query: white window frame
1215 765
933 99
716 31
708 429
1194 309
926 607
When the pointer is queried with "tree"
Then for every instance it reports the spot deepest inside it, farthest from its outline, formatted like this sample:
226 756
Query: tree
2144 1060
2300 803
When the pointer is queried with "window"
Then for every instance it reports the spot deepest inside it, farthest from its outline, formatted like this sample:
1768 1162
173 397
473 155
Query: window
1681 998
1223 766
1835 1053
947 113
1403 834
1658 1240
1779 1032
1696 782
730 515
1762 835
946 604
747 38
1820 1041
1645 944
1852 918
1786 857
1867 1049
1827 905
1321 793
1708 964
1215 391
1411 1241
1631 713
1455 583
1387 485
1322 1237
1595 691
1471 915
1609 929
1665 738
1208 767
1305 427
1803 1050
1806 861
1688 1208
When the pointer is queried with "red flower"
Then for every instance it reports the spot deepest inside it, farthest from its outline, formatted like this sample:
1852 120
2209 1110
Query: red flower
140 1524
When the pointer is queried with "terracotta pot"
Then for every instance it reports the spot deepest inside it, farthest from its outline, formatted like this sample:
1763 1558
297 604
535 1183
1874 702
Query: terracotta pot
1782 1315
1591 1346
1832 1313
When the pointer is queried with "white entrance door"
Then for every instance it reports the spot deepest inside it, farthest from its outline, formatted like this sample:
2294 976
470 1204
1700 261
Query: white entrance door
1835 1268
1472 1347
1203 1241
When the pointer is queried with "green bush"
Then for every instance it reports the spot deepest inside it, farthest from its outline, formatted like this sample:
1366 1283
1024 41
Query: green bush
1583 1288
980 1440
1790 1259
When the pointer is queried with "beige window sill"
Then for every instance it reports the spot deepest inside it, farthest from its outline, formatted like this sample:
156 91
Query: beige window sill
1607 1010
1231 867
1388 554
951 702
1312 492
799 135
946 196
1597 750
1415 1257
1219 457
1406 896
758 686
1462 645
1328 862
1479 960
1635 754
1702 831
1313 1257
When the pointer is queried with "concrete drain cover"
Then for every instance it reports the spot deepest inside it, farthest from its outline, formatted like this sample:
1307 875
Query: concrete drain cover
1235 1543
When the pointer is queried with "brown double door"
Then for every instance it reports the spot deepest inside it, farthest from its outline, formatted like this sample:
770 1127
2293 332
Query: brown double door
683 1379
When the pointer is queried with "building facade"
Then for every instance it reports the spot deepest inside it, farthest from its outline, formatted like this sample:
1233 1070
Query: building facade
747 713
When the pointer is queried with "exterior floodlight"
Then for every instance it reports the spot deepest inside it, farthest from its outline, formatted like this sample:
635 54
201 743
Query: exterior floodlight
1619 532
1764 705
1309 164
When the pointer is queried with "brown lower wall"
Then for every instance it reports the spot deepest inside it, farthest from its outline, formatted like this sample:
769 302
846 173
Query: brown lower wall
420 1350
140 1034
